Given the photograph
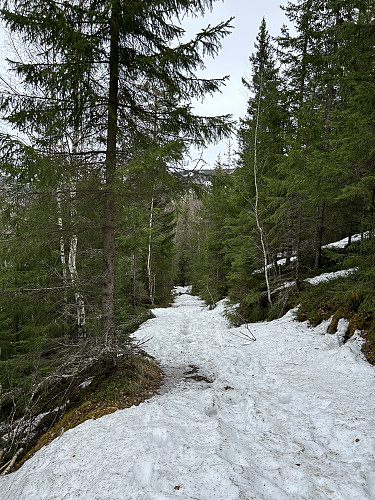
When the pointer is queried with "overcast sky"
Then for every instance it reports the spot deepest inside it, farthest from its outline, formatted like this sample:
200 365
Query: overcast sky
233 59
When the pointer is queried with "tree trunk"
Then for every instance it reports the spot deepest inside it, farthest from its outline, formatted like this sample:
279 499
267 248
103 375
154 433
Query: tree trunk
133 277
298 248
363 224
78 296
110 170
61 229
79 301
150 274
275 264
62 252
319 234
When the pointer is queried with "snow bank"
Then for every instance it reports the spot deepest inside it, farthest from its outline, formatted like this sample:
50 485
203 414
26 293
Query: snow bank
344 242
336 244
290 416
319 279
331 276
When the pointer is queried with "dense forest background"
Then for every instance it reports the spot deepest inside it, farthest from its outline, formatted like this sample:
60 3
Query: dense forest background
303 176
100 215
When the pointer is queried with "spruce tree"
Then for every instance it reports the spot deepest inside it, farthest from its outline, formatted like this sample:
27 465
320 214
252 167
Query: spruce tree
109 51
211 264
261 142
310 102
322 63
353 119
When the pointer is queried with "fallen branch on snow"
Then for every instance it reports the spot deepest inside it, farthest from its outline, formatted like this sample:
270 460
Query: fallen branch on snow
247 336
8 466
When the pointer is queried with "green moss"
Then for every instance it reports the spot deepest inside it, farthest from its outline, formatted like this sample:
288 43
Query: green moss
134 380
352 298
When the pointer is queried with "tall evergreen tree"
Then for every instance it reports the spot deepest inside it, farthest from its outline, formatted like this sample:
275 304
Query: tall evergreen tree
113 49
353 118
319 60
261 143
302 59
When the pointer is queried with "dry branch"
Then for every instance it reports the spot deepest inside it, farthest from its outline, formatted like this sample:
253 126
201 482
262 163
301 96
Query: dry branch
12 462
248 336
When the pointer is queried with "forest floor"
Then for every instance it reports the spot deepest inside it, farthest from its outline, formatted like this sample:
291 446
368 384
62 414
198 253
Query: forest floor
288 416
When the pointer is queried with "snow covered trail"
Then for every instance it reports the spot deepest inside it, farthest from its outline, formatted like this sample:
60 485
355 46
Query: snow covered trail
290 416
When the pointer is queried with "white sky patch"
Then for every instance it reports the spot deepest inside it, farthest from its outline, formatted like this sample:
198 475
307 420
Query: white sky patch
233 58
288 417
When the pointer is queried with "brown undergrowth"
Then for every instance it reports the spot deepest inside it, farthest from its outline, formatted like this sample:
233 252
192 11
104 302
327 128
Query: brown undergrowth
133 381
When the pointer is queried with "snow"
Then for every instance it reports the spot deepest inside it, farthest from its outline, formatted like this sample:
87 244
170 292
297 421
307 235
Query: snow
345 241
319 279
331 276
86 383
290 416
280 262
335 245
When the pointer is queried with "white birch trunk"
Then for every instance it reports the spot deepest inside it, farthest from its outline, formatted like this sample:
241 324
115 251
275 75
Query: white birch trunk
61 229
79 301
256 212
62 249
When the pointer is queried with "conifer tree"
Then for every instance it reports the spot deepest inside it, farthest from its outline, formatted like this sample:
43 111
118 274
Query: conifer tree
113 49
261 142
301 56
211 264
319 61
353 118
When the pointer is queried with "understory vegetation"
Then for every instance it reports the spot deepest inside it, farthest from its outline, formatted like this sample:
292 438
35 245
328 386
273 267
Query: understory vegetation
89 393
134 379
352 297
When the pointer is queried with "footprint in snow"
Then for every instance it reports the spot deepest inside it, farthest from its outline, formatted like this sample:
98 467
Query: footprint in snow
284 397
143 471
160 436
